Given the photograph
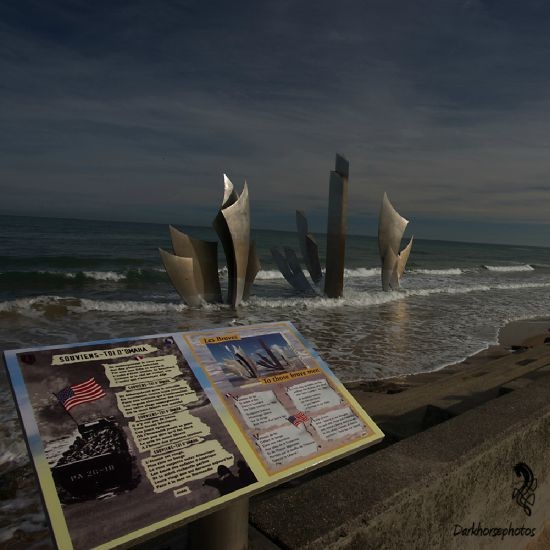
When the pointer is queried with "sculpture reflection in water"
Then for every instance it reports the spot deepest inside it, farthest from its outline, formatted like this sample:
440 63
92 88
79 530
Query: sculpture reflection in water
193 268
289 265
391 226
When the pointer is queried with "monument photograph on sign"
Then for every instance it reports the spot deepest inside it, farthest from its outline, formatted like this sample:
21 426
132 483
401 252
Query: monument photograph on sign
255 357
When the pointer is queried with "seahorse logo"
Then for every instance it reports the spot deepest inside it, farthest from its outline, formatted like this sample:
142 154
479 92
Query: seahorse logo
525 495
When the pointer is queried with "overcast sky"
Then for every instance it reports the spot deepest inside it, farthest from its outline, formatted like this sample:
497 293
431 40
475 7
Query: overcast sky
134 110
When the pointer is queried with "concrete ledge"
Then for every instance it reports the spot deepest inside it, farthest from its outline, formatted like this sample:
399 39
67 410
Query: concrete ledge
412 494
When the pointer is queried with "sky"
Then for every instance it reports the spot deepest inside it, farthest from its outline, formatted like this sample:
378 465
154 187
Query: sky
133 111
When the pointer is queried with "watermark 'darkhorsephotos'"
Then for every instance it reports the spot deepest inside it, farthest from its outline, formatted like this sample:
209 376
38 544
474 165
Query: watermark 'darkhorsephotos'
524 496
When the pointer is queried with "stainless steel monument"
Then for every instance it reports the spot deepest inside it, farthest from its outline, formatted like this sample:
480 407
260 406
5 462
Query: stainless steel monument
193 268
205 263
289 266
336 241
337 228
308 248
232 224
391 226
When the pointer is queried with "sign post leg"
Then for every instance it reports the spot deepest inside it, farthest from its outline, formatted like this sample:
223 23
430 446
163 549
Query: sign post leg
225 529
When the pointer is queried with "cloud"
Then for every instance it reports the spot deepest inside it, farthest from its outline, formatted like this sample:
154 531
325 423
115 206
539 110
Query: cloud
135 110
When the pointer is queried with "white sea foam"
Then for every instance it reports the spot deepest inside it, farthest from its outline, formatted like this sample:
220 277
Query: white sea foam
23 304
352 298
450 271
104 275
40 304
63 274
272 274
508 268
362 272
95 275
17 511
357 298
354 272
268 275
123 306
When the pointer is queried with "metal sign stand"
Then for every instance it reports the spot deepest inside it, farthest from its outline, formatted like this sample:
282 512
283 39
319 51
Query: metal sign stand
226 529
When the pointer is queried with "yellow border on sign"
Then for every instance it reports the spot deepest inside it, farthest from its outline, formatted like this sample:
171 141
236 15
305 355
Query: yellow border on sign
233 427
374 433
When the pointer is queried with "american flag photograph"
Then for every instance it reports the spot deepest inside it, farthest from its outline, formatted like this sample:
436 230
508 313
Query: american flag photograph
298 418
77 394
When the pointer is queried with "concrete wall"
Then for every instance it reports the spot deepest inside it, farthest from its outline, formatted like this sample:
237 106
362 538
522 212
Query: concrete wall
413 493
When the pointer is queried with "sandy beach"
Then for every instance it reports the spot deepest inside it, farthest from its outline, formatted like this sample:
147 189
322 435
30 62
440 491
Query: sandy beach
514 337
402 406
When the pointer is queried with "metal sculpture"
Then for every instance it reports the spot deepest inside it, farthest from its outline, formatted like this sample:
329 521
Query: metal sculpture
252 269
308 247
336 228
391 226
232 224
336 241
193 269
229 194
205 263
290 267
296 268
180 271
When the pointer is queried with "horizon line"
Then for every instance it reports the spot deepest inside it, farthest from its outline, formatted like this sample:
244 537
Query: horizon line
2 214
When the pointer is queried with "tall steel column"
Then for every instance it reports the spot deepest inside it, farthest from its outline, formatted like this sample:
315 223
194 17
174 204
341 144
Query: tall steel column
337 228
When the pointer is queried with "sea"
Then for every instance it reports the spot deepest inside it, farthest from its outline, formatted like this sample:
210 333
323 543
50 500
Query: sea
67 281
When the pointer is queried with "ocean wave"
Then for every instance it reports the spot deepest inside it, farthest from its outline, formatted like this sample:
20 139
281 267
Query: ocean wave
125 306
43 305
362 272
21 279
273 274
449 271
355 298
59 304
508 268
67 262
267 274
139 276
104 275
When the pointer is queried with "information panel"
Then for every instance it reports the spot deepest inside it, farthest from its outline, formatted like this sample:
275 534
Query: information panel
129 437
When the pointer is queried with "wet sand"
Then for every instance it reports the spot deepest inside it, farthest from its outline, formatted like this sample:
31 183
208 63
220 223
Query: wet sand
515 337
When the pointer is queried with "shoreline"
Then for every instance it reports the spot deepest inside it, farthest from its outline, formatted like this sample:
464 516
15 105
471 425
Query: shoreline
512 337
406 405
